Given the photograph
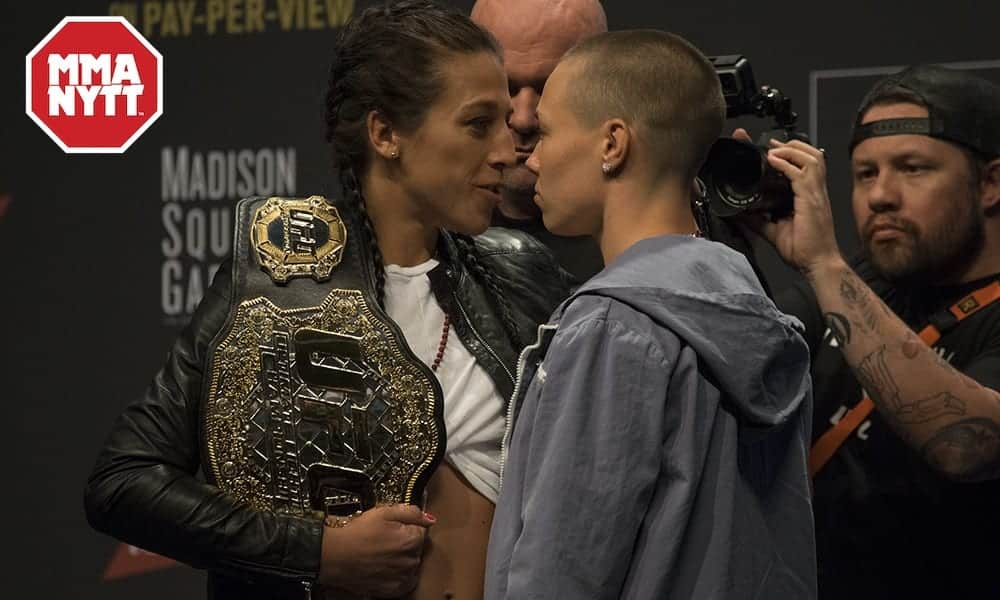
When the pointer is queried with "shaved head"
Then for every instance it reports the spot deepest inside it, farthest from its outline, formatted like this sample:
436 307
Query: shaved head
534 35
658 82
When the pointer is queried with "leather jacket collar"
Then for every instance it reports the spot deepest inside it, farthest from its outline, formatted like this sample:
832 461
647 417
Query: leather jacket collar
531 282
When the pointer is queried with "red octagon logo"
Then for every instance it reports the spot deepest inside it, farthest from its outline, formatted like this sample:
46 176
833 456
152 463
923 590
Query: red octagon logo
94 84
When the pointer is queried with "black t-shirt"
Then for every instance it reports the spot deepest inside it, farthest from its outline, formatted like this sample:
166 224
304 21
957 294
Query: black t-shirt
578 255
887 526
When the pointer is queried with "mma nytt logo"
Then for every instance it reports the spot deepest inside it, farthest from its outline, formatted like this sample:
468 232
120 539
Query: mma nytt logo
94 84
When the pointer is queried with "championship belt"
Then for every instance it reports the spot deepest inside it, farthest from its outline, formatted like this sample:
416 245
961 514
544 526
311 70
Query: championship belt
315 404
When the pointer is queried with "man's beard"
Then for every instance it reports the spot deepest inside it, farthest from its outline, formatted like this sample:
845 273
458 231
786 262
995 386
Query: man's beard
932 256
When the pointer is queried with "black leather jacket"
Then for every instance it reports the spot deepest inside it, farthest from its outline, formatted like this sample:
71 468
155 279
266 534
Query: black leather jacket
146 487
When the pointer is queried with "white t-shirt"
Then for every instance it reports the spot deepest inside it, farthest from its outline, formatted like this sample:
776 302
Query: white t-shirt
473 408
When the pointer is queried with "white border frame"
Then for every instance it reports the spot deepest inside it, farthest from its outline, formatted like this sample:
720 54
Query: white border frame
159 85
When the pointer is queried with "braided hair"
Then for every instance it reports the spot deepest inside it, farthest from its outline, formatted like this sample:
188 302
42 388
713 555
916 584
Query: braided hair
356 200
471 259
385 60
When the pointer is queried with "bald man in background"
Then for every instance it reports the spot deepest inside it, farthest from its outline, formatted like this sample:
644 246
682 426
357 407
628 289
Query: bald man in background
534 35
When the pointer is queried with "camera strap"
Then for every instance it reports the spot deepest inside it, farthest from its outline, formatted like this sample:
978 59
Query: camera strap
940 323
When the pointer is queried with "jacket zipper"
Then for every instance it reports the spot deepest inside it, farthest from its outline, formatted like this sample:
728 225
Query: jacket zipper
522 361
481 340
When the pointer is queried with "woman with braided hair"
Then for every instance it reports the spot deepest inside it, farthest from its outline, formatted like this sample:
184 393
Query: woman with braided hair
416 113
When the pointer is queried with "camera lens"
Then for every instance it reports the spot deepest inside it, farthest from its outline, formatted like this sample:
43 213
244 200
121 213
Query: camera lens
732 176
743 169
737 179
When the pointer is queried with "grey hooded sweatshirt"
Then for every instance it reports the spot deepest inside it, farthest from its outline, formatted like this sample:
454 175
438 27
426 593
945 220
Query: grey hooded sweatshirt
657 440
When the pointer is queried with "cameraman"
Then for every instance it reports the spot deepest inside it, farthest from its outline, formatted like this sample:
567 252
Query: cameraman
907 497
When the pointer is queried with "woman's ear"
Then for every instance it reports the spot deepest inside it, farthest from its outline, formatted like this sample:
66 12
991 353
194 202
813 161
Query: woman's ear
615 145
382 135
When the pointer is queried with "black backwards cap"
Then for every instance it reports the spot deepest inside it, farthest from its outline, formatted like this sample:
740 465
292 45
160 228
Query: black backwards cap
962 108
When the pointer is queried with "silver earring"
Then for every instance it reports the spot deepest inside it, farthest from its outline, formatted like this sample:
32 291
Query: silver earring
394 154
606 167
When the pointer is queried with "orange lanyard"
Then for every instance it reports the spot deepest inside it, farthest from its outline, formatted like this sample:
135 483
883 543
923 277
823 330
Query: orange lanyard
826 446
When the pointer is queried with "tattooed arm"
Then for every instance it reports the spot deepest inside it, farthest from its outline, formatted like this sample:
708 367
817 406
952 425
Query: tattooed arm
952 420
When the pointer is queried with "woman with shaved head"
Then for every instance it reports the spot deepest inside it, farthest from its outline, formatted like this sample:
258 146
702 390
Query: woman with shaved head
663 414
534 34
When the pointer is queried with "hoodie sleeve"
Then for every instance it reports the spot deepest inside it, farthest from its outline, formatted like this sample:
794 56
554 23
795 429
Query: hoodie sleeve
585 458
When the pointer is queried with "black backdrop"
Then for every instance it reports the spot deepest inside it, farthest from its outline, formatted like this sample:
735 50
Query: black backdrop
104 255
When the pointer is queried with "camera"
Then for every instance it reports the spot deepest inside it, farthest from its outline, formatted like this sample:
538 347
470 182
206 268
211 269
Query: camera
736 176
